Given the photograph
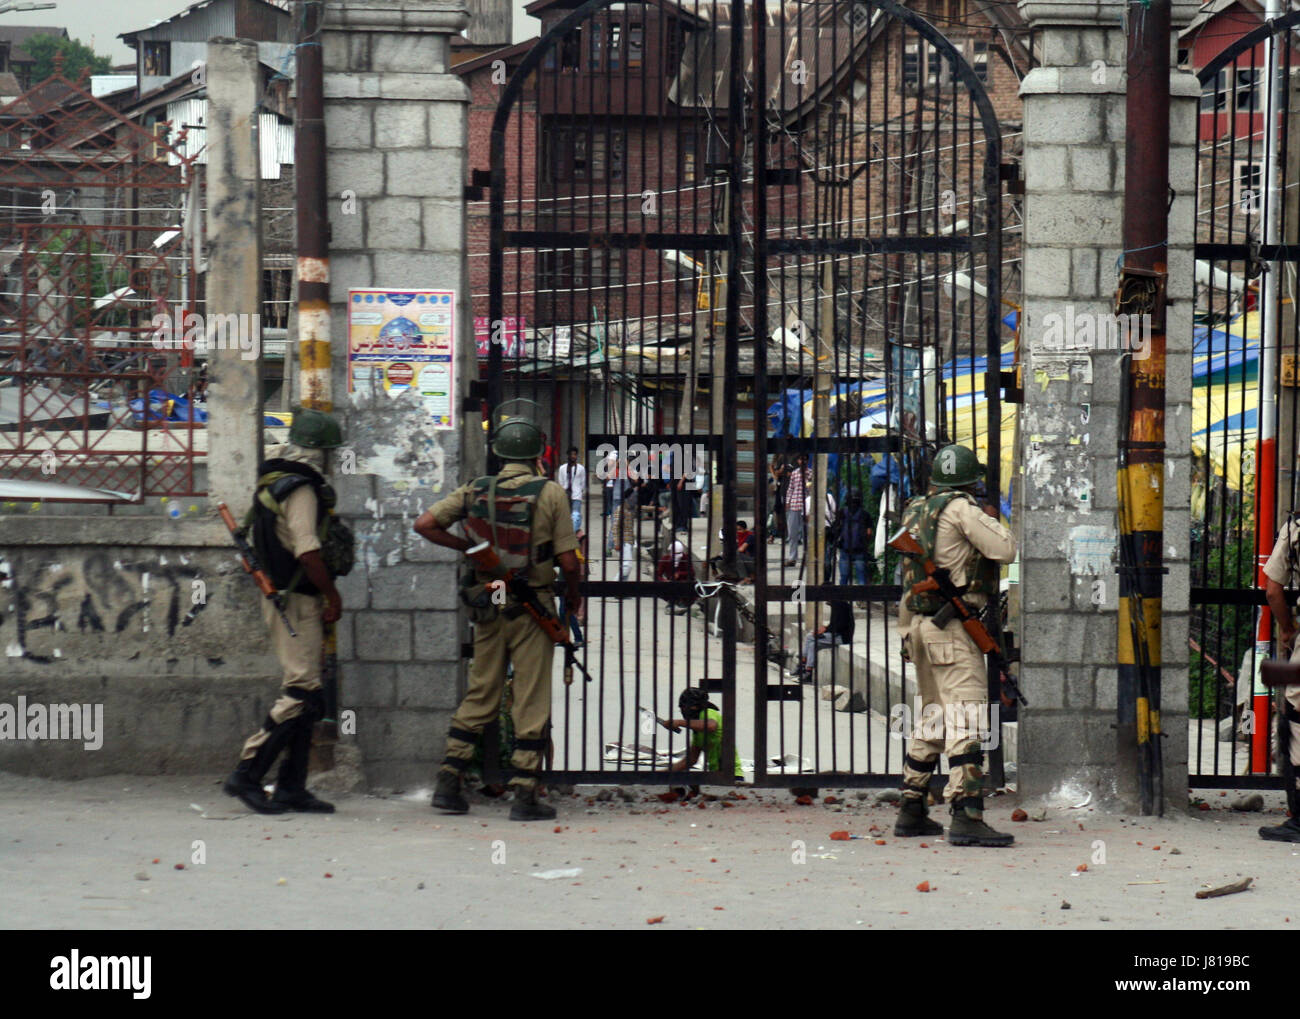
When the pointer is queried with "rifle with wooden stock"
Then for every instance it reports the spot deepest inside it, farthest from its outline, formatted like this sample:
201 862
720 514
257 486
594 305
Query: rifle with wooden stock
485 558
253 566
940 581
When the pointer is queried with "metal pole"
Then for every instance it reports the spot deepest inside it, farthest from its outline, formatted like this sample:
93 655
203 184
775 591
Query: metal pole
314 387
1141 452
759 16
731 368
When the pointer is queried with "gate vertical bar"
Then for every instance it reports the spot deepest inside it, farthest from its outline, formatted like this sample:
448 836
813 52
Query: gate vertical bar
993 394
731 355
759 30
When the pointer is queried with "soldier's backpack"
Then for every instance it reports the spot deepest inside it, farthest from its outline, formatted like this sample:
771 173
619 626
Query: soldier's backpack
277 480
921 517
504 518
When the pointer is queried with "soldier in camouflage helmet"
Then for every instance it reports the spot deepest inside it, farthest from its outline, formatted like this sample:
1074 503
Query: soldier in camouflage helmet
961 537
527 520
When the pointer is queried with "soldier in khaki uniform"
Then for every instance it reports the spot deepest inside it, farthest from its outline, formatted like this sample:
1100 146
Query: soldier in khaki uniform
290 506
959 536
527 520
1282 571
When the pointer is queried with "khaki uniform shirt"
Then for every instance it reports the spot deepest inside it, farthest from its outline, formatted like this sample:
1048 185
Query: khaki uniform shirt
551 520
963 530
1283 566
296 526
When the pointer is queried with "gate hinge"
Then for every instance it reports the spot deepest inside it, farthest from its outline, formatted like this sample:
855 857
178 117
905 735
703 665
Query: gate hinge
474 397
1010 172
782 176
478 181
1013 393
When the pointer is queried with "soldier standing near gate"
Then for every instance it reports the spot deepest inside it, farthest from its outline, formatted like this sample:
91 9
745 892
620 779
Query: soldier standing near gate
290 536
526 519
959 536
1282 571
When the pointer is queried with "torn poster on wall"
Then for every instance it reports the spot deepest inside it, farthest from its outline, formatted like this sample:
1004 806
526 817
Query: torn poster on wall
1089 548
403 340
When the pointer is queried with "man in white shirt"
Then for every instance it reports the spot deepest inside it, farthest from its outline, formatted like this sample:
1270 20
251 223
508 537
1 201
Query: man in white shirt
572 477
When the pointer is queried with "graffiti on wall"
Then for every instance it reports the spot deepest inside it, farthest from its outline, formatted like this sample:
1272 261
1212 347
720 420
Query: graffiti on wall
95 593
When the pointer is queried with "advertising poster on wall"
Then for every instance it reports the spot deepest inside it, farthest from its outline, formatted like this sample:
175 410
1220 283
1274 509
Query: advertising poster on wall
404 339
510 335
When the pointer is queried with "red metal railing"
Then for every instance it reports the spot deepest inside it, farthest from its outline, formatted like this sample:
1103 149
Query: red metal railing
95 392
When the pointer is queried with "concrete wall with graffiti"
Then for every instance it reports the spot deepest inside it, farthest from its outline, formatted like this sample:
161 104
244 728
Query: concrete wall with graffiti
150 618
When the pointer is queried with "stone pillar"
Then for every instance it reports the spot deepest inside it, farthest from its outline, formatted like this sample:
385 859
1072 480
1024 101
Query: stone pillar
395 135
234 283
1074 121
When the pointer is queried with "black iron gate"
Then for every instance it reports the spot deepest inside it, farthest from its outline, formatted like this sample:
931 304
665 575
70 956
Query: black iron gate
723 237
1244 424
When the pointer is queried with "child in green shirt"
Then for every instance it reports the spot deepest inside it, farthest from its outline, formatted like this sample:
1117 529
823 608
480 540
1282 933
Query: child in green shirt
704 720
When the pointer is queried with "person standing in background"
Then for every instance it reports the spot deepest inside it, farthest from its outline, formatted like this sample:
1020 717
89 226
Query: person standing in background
796 507
572 478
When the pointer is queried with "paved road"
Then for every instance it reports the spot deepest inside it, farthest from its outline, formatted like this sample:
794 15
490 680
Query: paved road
76 855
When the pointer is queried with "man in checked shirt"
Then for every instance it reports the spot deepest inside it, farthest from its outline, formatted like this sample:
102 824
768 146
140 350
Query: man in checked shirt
799 482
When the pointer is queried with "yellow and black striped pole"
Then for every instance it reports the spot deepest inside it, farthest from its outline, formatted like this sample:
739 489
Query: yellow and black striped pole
1141 454
313 268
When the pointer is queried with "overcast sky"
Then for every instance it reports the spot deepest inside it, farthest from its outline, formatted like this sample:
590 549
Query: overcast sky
97 23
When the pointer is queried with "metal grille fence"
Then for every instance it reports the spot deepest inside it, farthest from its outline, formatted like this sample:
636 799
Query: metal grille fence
96 243
1244 426
725 235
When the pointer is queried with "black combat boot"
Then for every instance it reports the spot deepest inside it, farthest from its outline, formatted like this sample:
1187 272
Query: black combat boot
447 796
245 782
1287 831
291 782
244 785
526 807
914 819
966 830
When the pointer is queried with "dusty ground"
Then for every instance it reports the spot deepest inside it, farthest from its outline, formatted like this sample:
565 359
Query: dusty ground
102 853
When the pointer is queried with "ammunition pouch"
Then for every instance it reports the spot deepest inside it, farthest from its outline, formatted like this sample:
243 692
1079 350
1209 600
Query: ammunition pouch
477 598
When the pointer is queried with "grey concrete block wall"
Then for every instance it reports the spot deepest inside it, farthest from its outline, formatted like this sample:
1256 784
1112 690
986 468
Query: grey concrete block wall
148 618
396 130
1074 180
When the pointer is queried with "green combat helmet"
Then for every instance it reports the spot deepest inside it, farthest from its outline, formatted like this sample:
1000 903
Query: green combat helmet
517 436
956 467
315 429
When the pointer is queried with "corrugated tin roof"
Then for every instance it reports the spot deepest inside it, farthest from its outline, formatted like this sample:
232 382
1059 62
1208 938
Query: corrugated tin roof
127 37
